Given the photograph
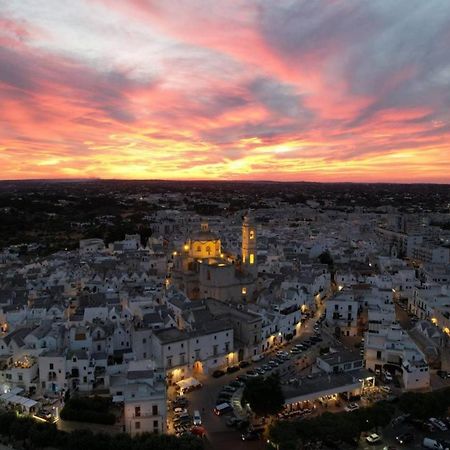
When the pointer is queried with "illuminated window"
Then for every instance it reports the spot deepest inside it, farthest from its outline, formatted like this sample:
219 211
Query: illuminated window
252 234
199 249
244 290
252 258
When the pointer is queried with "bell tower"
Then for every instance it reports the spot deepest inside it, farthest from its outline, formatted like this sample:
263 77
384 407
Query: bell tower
249 245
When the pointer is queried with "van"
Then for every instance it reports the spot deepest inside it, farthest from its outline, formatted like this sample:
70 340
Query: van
222 409
433 444
257 358
197 420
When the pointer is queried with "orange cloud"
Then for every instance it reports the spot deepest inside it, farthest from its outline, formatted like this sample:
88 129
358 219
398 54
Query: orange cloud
219 93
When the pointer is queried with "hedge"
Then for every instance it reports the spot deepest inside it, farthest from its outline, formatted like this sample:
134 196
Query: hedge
25 432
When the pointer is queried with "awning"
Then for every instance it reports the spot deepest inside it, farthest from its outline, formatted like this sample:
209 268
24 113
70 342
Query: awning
188 382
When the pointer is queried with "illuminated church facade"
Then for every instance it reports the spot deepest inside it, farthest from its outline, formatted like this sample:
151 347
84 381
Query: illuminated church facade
202 269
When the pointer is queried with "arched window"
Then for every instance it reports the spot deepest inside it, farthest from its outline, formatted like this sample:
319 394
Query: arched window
208 250
199 248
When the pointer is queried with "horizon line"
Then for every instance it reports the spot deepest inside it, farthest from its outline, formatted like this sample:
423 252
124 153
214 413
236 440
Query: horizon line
206 180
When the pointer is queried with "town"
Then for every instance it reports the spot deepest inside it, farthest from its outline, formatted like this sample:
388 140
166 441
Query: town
173 316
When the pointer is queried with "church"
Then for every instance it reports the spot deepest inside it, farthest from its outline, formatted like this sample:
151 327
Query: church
202 269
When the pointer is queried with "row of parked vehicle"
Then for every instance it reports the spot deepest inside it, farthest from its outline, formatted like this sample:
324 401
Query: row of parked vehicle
227 391
231 369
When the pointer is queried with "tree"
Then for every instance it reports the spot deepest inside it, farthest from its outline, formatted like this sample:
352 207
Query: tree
264 395
326 258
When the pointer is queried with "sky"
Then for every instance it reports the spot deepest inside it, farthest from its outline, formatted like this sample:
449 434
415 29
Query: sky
304 90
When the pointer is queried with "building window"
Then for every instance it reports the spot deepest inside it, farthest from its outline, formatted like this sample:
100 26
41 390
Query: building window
155 424
169 362
155 411
252 258
137 425
215 350
252 234
182 359
227 347
137 411
51 366
378 354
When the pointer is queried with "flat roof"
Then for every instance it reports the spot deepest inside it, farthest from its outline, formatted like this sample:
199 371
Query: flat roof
324 384
340 357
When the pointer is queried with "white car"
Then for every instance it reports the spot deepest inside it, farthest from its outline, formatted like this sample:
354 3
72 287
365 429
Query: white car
197 418
438 424
387 376
373 439
352 407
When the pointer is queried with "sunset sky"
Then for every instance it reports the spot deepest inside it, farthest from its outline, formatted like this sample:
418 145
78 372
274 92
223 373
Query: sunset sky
314 90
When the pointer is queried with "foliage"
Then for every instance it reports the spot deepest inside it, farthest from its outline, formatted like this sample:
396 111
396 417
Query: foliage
92 410
347 426
264 395
38 435
326 258
422 406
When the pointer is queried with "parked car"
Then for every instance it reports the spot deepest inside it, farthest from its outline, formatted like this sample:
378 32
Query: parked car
218 373
236 384
232 369
257 358
385 389
387 376
230 389
222 408
438 424
443 374
432 443
404 438
197 420
250 435
224 396
232 421
244 364
242 378
373 439
351 407
252 373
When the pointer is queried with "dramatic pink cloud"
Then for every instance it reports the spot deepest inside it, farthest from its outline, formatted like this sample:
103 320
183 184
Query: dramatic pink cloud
199 89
